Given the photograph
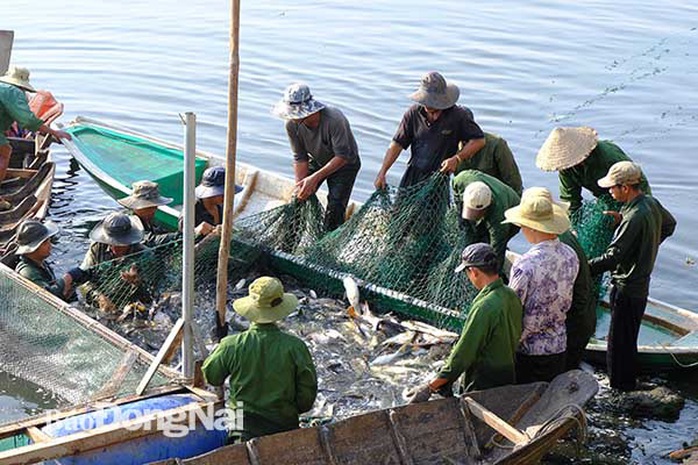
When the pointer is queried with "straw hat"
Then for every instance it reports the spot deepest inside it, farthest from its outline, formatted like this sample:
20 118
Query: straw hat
118 229
267 302
18 77
297 103
621 173
435 92
476 197
538 211
144 194
566 147
32 233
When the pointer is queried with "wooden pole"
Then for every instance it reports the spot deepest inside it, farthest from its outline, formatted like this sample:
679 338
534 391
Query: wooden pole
230 155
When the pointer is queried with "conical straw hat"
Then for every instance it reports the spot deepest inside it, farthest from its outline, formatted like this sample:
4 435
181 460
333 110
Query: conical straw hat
566 147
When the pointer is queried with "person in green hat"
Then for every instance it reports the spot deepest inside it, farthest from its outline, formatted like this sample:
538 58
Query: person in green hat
271 372
34 247
144 201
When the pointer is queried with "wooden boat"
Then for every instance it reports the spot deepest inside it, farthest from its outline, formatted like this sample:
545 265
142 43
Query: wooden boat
669 335
114 427
453 430
27 187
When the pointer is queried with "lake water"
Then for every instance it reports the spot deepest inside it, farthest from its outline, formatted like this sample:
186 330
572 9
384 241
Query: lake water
627 68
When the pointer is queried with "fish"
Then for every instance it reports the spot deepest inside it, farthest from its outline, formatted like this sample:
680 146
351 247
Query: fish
352 292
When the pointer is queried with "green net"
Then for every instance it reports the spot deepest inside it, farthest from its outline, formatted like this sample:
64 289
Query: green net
42 344
401 247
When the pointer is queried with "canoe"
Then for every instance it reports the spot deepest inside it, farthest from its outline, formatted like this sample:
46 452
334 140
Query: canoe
668 337
27 187
531 419
103 421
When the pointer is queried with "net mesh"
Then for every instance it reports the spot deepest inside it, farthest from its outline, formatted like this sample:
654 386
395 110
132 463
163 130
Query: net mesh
42 344
401 246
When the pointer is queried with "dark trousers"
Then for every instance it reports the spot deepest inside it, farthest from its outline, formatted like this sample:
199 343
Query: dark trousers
626 316
533 368
339 184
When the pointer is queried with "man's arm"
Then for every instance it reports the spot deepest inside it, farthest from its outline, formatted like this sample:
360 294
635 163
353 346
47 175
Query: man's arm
306 380
394 150
627 234
309 184
215 369
469 149
506 164
466 350
570 191
300 169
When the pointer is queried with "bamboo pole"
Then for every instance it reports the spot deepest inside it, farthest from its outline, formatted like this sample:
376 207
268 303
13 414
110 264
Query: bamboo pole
230 154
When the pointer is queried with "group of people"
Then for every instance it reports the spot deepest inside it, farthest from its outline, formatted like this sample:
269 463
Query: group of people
118 235
526 325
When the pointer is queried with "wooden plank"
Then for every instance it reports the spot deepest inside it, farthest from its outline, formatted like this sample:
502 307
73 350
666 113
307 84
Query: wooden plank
98 438
400 440
36 435
169 344
19 173
499 425
111 387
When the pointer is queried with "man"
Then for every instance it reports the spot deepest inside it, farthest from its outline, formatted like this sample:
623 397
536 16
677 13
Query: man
630 257
210 196
580 322
271 373
580 159
485 199
34 247
543 278
144 201
14 107
433 128
485 352
323 148
497 160
117 236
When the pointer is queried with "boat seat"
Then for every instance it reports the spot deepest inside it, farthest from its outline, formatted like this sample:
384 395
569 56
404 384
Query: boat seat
365 438
439 431
300 447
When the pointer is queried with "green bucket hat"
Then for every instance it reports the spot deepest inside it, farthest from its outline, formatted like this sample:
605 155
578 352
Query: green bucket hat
32 233
267 302
144 194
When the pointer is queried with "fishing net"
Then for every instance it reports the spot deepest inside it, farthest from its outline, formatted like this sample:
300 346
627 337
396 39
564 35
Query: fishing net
401 247
42 344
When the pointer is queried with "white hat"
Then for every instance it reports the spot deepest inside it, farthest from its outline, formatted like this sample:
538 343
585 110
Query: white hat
566 147
476 197
538 211
18 77
623 172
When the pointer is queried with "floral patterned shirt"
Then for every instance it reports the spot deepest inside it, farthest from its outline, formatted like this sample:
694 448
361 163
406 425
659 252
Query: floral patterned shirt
543 278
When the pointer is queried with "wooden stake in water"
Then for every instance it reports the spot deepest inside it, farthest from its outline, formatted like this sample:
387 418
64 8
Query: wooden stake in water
230 155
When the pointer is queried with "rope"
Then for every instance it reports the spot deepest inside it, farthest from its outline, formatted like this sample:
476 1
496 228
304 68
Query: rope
676 360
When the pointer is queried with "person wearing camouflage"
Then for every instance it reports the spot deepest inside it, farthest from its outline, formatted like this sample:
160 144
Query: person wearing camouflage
323 147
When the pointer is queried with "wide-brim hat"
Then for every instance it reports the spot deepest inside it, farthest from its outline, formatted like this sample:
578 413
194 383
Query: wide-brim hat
297 103
118 229
539 212
144 194
566 147
32 233
19 77
205 192
435 92
267 302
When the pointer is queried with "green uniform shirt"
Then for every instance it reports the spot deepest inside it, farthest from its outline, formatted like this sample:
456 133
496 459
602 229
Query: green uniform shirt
486 349
495 159
581 317
631 254
41 275
14 107
587 173
489 228
271 373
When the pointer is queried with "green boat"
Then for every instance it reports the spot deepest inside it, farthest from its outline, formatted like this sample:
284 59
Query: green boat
115 157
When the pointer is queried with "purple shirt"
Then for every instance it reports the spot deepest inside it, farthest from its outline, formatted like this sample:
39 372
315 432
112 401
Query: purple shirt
543 278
